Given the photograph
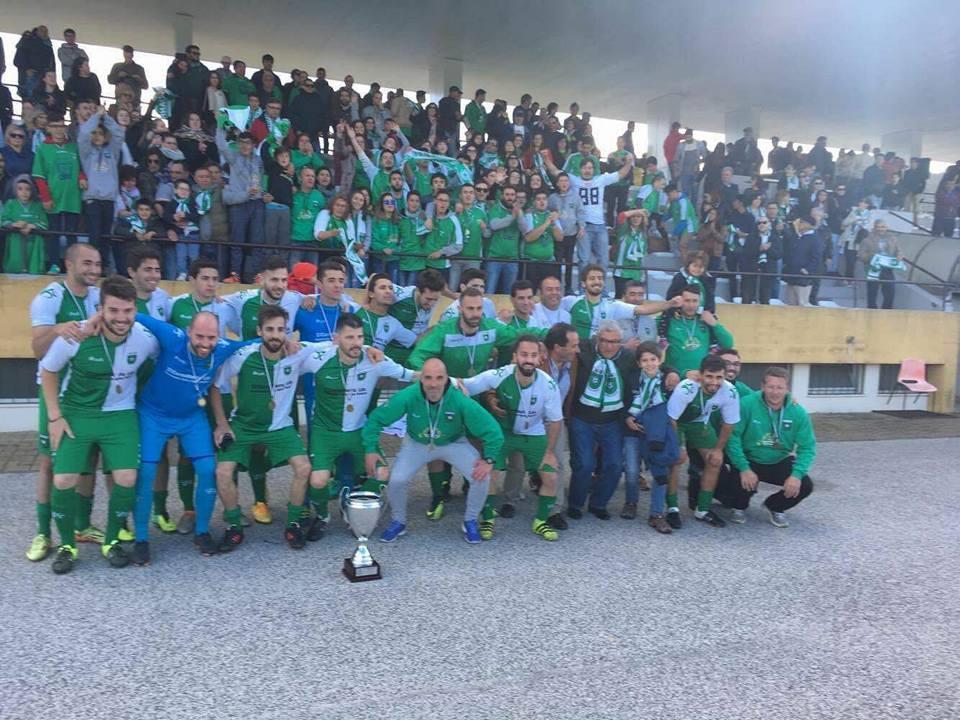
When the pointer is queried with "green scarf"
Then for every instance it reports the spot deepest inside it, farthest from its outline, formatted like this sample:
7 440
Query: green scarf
451 166
603 387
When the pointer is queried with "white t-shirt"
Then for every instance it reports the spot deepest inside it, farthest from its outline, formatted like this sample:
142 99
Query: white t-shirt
591 194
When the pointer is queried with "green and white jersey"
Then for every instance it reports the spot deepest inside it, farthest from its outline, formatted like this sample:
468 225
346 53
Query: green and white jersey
405 309
542 316
527 407
266 389
631 249
57 304
466 355
689 404
380 330
246 305
344 391
453 310
586 316
157 305
100 375
184 307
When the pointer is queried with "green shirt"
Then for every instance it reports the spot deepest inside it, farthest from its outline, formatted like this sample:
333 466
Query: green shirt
526 407
765 437
238 89
299 160
303 214
466 355
470 220
476 117
542 247
59 165
505 242
384 235
246 304
454 417
381 330
412 232
631 249
689 342
446 236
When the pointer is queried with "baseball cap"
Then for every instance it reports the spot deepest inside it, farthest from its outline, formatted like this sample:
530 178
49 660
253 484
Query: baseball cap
302 277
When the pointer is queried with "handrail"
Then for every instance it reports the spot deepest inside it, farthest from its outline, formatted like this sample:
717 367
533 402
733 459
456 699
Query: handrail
896 214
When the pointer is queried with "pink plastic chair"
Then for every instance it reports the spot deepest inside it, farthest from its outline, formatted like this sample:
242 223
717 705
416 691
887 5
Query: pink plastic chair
913 376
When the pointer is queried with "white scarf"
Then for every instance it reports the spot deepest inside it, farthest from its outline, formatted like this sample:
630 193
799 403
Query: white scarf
603 387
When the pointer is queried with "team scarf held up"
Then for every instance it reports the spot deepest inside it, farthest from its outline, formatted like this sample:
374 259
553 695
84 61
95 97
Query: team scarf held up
603 389
451 166
163 102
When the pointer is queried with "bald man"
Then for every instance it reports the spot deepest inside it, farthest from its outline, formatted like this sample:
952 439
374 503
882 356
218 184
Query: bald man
439 418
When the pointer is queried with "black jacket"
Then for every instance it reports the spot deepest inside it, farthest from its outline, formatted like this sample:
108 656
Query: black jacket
83 88
751 256
679 282
308 113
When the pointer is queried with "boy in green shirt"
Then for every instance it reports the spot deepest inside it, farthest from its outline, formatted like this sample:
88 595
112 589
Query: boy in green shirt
445 237
307 204
60 184
20 217
542 231
412 237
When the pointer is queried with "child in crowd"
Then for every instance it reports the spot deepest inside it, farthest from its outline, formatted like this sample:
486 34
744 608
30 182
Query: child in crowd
24 252
694 272
181 216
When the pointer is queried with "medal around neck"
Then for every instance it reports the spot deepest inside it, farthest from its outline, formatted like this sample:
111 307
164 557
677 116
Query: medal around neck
361 511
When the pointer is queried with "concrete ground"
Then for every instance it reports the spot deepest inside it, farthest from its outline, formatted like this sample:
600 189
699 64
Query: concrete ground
850 613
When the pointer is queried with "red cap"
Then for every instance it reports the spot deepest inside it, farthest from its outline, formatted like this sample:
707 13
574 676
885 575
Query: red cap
303 278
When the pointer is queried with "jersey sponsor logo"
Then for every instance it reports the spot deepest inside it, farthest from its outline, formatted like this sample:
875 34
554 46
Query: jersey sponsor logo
48 293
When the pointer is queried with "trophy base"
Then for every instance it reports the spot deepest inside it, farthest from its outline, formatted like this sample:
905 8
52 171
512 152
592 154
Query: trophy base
361 574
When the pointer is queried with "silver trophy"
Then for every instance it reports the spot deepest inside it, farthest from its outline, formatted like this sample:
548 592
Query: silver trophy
361 511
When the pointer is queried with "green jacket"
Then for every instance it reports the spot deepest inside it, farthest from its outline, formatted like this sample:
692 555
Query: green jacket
476 117
763 437
455 416
303 214
238 89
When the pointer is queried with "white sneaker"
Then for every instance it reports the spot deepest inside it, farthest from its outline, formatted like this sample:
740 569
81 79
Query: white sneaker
181 277
738 516
778 519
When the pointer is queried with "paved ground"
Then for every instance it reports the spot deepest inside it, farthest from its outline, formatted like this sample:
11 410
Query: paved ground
851 613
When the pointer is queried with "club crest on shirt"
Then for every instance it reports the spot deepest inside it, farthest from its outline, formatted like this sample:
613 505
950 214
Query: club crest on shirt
131 358
448 415
287 370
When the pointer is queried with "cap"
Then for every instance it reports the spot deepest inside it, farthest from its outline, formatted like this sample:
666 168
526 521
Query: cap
302 277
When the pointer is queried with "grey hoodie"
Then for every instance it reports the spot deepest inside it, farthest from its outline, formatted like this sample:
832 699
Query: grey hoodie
101 164
245 172
570 207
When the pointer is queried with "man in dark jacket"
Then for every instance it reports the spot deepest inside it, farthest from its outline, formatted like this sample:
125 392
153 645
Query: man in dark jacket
801 257
33 58
874 181
761 251
308 112
448 119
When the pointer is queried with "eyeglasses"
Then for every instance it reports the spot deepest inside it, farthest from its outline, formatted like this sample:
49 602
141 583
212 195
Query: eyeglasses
482 189
17 135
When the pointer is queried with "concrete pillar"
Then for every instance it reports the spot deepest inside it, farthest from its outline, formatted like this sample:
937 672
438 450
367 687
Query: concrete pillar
661 112
905 143
736 120
182 31
444 72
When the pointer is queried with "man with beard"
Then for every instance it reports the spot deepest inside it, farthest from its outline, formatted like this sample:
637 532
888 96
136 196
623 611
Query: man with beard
93 407
532 421
379 329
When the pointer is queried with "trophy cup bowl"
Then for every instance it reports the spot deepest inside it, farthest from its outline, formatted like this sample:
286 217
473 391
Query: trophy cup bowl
361 511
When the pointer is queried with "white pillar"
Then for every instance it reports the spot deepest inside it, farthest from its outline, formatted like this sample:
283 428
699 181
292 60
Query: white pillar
734 121
662 111
444 72
182 31
905 143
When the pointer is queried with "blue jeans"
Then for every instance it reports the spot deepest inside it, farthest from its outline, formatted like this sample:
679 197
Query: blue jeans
584 437
593 247
380 264
501 274
408 277
632 461
99 217
246 227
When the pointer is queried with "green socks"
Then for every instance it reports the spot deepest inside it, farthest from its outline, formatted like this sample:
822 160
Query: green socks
672 500
233 517
258 475
186 477
63 507
120 505
437 480
159 502
320 499
704 498
489 510
84 509
293 513
43 519
371 484
543 506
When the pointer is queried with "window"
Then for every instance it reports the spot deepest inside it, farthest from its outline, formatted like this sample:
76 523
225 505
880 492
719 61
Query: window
888 384
18 380
836 380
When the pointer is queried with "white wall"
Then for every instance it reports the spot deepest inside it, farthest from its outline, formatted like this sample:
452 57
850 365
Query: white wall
871 399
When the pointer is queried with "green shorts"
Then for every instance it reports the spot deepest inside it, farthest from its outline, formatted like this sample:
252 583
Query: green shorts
280 446
697 435
327 446
116 434
531 447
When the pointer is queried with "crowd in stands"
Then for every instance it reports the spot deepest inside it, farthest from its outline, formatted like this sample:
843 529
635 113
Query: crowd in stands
234 165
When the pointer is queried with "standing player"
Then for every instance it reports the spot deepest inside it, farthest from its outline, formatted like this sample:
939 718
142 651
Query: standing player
691 407
689 333
379 329
590 309
173 404
531 425
93 407
57 312
413 308
475 278
439 418
266 389
346 377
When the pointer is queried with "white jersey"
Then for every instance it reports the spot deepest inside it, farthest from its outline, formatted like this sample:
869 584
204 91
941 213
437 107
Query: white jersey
546 318
56 300
586 317
641 327
529 406
688 403
385 329
591 194
158 304
453 310
116 383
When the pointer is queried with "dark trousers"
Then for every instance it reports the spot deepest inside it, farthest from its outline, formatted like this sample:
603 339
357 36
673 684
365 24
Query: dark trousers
59 222
888 290
98 215
765 285
736 497
734 263
616 196
563 251
246 227
748 289
850 262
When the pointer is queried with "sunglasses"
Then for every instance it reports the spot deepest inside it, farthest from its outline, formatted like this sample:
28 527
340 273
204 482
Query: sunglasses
17 135
483 190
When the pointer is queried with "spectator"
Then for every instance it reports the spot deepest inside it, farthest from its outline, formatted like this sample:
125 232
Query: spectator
278 197
83 84
893 193
99 142
33 58
820 157
49 96
214 98
214 226
691 154
854 227
237 87
269 90
711 238
880 254
913 184
128 75
196 144
17 157
670 144
68 53
874 182
308 113
801 258
449 118
6 107
946 208
378 111
181 217
21 215
266 68
746 158
243 198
